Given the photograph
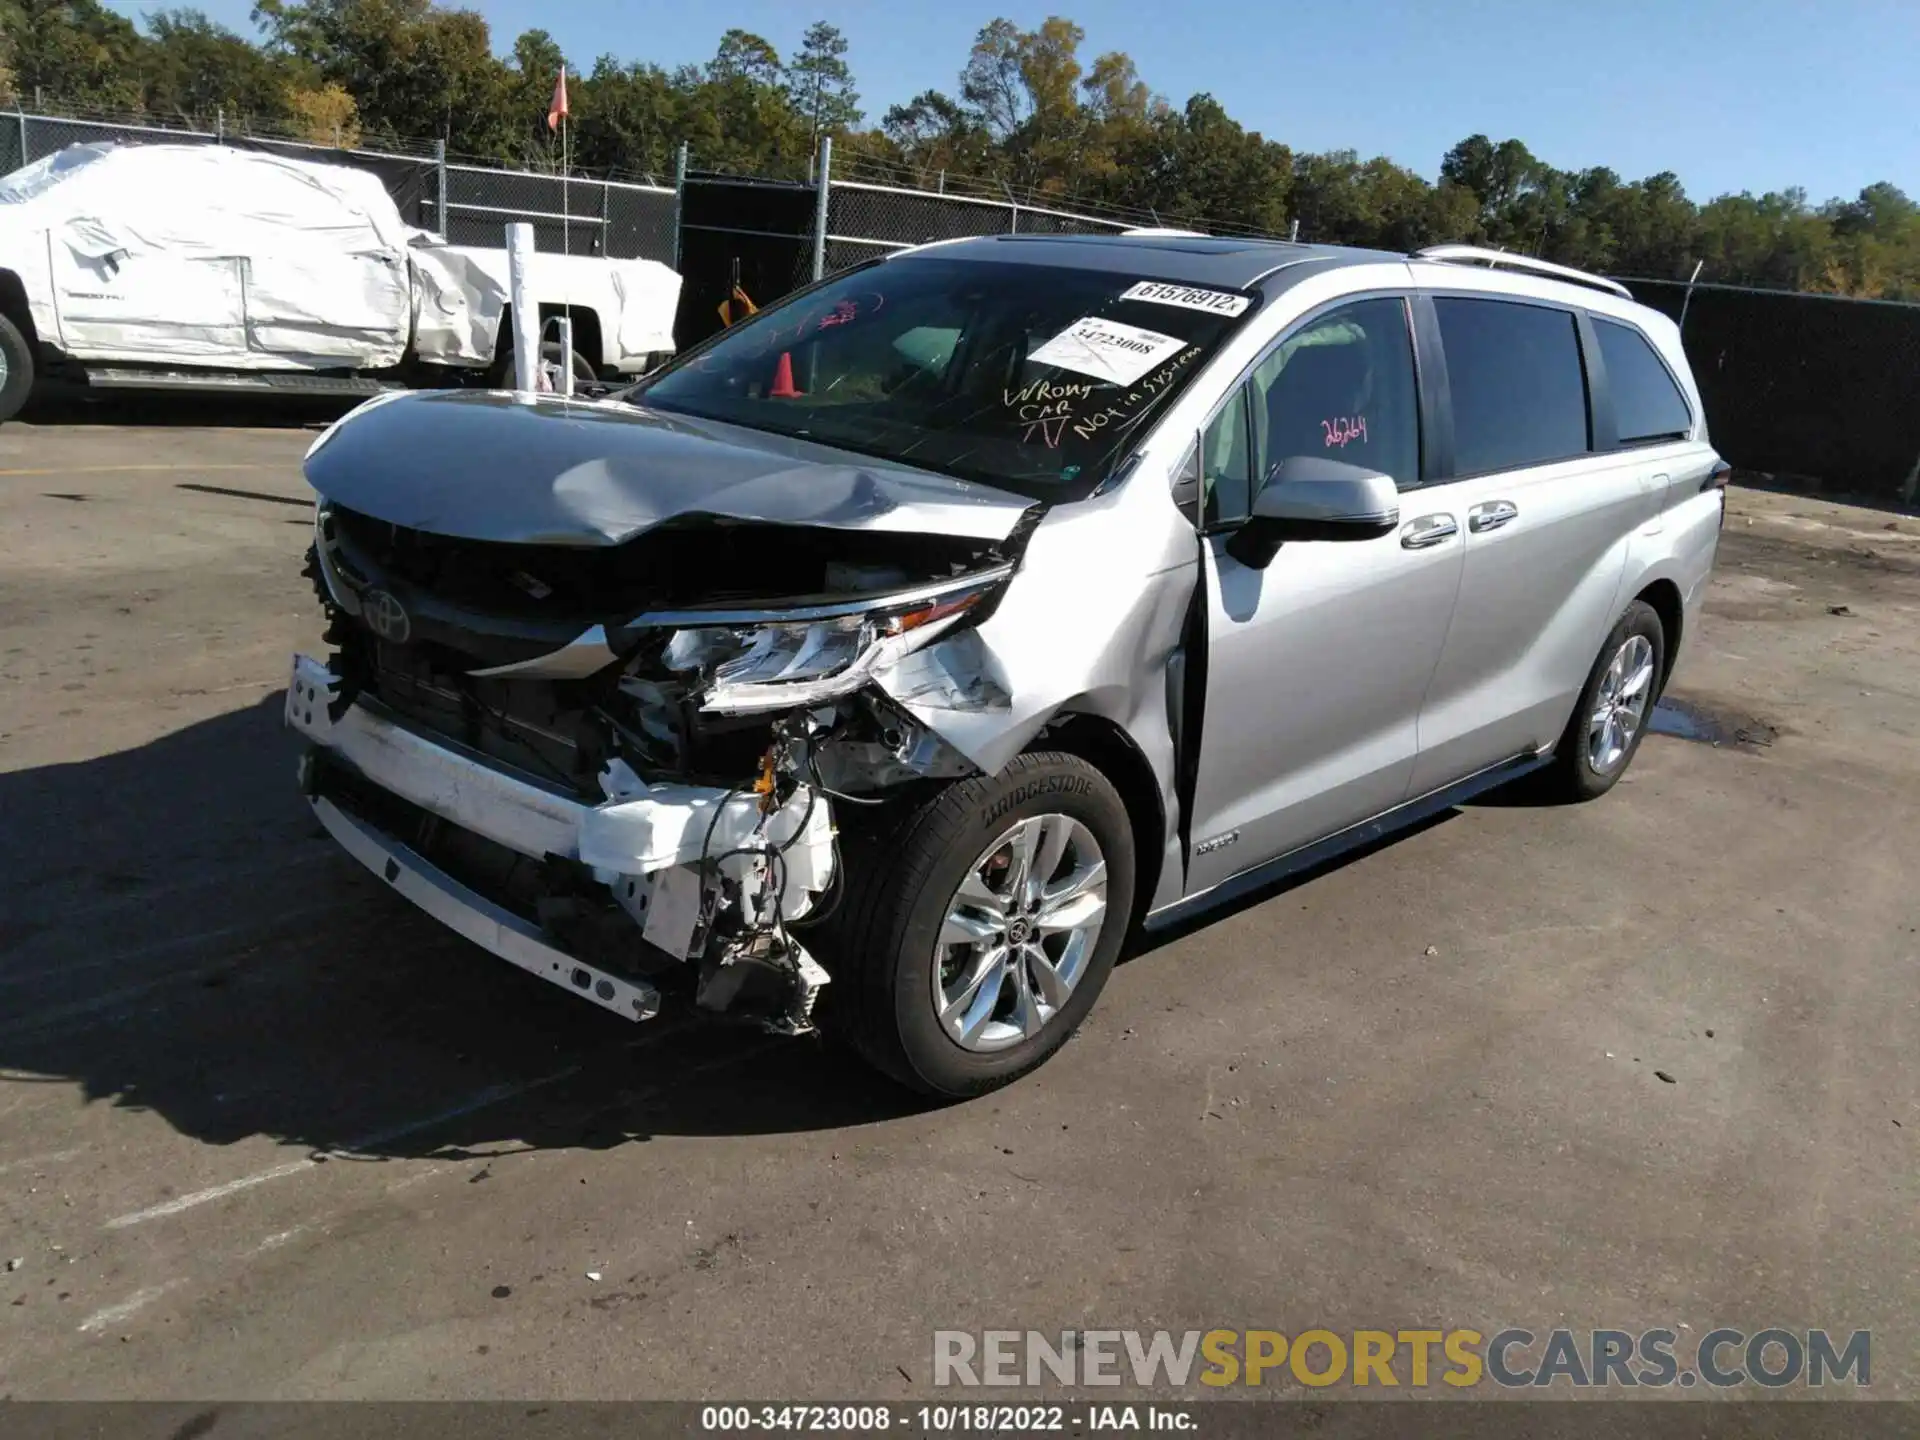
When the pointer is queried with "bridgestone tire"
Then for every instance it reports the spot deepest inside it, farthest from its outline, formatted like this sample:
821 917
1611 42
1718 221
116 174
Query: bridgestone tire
903 866
1571 778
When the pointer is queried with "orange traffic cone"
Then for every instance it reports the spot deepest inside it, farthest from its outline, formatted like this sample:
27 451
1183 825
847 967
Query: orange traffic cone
783 379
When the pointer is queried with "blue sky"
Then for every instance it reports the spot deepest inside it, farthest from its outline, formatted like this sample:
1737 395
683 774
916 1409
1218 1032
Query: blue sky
1728 94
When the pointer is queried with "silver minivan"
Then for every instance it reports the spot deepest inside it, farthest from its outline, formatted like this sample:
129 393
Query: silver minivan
887 661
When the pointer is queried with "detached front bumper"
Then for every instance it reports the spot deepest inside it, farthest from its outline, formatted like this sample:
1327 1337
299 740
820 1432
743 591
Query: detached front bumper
649 846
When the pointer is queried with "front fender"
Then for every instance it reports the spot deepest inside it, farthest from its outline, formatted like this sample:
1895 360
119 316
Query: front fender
1087 627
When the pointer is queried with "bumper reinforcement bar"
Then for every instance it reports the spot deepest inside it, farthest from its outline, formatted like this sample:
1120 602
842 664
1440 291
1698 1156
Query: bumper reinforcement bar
472 915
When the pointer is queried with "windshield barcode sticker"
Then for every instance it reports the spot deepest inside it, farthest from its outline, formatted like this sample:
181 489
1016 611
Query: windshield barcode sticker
1214 302
1107 350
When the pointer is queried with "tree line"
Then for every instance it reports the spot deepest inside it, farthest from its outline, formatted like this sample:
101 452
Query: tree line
1028 113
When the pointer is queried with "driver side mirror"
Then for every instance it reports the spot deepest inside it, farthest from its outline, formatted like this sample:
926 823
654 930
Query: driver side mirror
1306 497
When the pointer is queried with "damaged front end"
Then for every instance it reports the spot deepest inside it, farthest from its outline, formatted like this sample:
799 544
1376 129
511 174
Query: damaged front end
622 766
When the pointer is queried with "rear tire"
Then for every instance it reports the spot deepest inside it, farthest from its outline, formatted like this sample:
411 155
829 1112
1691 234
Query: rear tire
16 369
915 869
1591 757
502 373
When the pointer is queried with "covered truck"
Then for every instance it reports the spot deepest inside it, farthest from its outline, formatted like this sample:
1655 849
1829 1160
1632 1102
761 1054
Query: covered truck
208 266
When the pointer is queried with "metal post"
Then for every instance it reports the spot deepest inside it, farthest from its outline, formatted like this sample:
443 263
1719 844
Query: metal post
942 187
20 110
606 217
1013 225
440 190
1688 298
823 191
679 197
526 310
1293 232
220 123
565 322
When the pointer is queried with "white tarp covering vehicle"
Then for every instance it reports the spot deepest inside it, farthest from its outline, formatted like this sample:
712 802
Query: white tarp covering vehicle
198 264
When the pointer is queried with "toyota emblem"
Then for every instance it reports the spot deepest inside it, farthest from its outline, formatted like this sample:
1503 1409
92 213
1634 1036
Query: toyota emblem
386 617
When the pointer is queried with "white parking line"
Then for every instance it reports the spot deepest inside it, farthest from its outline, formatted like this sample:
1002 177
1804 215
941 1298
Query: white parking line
493 1095
114 1314
275 1241
162 947
216 1192
52 1157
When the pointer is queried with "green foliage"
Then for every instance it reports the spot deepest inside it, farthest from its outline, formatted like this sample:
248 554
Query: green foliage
1028 112
191 66
77 50
820 83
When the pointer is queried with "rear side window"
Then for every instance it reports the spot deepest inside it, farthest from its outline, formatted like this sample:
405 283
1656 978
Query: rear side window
1647 404
1519 389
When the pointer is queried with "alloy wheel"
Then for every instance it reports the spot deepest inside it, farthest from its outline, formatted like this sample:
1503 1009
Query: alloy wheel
1620 707
1019 933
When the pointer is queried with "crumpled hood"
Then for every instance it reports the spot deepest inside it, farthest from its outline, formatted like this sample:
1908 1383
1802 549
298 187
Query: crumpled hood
486 465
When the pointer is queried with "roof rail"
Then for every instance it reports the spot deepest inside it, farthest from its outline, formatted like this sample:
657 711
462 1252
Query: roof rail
1502 260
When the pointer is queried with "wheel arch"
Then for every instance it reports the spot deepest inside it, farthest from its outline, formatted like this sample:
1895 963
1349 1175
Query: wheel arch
1665 598
13 304
1107 747
588 338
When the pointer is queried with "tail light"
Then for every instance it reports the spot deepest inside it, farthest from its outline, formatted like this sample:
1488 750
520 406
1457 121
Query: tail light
1716 480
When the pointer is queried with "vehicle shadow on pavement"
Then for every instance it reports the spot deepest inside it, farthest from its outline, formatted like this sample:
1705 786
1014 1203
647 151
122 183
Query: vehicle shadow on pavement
177 935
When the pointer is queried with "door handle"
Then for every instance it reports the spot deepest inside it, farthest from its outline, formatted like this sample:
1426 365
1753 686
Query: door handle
1427 531
1491 515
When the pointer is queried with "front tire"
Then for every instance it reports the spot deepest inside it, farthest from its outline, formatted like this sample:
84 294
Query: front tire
16 369
979 927
1615 705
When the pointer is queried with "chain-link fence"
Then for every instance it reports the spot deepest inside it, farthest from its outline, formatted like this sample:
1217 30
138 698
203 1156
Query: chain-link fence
866 211
469 204
866 219
572 214
1806 387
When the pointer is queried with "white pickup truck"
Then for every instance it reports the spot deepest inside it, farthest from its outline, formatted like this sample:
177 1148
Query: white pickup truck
204 266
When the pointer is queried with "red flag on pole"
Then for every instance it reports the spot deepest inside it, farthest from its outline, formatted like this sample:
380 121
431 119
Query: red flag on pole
559 106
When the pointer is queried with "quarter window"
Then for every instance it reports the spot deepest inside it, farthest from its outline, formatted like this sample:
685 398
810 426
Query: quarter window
1647 405
1519 388
1226 461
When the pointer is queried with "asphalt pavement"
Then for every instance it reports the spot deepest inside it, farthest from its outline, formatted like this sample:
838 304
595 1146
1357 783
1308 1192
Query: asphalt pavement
266 1132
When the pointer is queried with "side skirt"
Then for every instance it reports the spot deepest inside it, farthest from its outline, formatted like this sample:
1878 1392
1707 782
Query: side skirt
1318 852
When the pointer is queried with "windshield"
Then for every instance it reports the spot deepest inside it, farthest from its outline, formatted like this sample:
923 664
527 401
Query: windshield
31 180
1032 378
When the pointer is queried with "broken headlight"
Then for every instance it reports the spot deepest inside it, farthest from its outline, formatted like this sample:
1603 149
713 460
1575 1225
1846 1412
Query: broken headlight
816 653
